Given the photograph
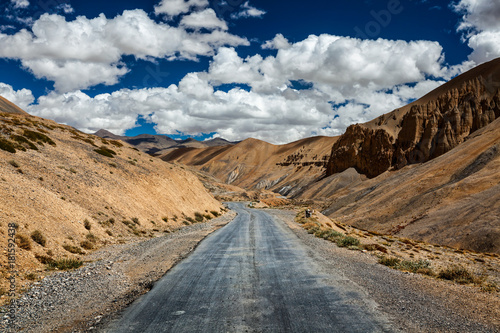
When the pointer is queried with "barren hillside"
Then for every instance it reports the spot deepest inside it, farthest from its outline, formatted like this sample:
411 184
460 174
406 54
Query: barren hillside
79 191
255 164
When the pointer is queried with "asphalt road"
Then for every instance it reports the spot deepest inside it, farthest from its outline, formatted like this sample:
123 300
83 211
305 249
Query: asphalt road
253 275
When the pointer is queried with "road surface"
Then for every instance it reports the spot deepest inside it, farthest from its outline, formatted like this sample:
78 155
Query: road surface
253 275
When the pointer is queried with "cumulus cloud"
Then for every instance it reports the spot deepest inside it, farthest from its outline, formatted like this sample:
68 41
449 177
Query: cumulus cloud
84 52
248 11
277 43
21 98
376 77
174 8
481 28
205 19
20 3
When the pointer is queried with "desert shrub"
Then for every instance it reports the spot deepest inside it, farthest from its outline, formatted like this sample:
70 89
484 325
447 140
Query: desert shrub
490 287
375 247
38 137
214 213
114 165
105 152
43 259
109 232
87 224
135 220
14 164
23 242
7 146
190 219
87 245
413 266
64 264
38 237
129 224
198 217
457 274
31 276
347 241
207 216
389 261
132 162
165 219
22 140
73 249
116 143
186 222
92 238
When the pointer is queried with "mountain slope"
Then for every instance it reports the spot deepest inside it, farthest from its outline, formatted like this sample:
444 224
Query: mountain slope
9 107
255 164
423 130
451 200
67 184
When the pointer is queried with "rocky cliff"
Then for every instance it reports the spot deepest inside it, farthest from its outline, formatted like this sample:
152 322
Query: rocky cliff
428 128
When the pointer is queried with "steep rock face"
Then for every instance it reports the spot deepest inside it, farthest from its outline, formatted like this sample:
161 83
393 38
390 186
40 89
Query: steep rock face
425 132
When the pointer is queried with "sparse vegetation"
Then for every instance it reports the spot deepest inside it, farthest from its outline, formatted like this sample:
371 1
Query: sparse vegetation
165 219
73 249
116 143
198 217
214 213
14 164
419 266
109 232
87 245
7 146
38 137
22 140
458 274
104 151
64 264
31 276
87 224
43 259
23 242
135 220
38 237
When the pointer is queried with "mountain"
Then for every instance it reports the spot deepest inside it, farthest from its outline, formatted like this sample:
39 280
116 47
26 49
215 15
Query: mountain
161 144
255 165
77 191
9 107
423 130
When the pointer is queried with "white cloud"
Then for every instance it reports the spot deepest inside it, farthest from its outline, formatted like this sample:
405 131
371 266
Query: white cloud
86 52
174 8
248 11
481 26
20 3
384 75
205 19
21 98
278 42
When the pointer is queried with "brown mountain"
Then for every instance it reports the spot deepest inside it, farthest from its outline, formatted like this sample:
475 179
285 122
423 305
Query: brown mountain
423 130
68 185
161 144
9 107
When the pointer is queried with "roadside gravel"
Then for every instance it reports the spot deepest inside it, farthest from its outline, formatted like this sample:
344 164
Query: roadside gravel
414 302
76 301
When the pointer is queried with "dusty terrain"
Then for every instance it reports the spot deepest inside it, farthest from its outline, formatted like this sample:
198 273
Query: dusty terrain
254 164
112 277
66 198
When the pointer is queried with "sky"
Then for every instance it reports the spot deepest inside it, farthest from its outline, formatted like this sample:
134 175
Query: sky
278 71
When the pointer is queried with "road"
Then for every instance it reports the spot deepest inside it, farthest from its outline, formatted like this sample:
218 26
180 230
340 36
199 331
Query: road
253 275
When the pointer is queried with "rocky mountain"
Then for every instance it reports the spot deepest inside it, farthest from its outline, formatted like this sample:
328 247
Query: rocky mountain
255 165
161 144
68 192
423 130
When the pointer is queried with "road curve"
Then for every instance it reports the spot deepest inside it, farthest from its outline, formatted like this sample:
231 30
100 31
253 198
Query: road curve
253 275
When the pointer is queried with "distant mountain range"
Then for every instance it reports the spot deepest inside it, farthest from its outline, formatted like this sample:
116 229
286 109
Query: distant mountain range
161 144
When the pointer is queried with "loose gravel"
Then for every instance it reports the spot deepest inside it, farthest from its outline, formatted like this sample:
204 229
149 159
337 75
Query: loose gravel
78 300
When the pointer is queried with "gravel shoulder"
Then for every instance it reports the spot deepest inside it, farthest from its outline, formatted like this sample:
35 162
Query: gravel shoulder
415 303
78 300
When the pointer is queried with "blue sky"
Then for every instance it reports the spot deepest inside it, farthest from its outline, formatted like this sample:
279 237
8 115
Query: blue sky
277 71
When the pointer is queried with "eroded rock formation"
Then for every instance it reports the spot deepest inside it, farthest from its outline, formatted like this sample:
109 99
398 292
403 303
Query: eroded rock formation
426 131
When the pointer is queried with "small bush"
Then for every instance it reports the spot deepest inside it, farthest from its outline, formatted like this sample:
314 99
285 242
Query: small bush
207 216
186 222
87 245
109 232
116 143
23 140
23 242
7 146
198 217
414 266
389 261
105 152
87 224
457 274
165 219
64 264
92 238
214 213
135 220
38 237
190 219
347 241
43 259
14 164
38 137
73 249
31 276
375 247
